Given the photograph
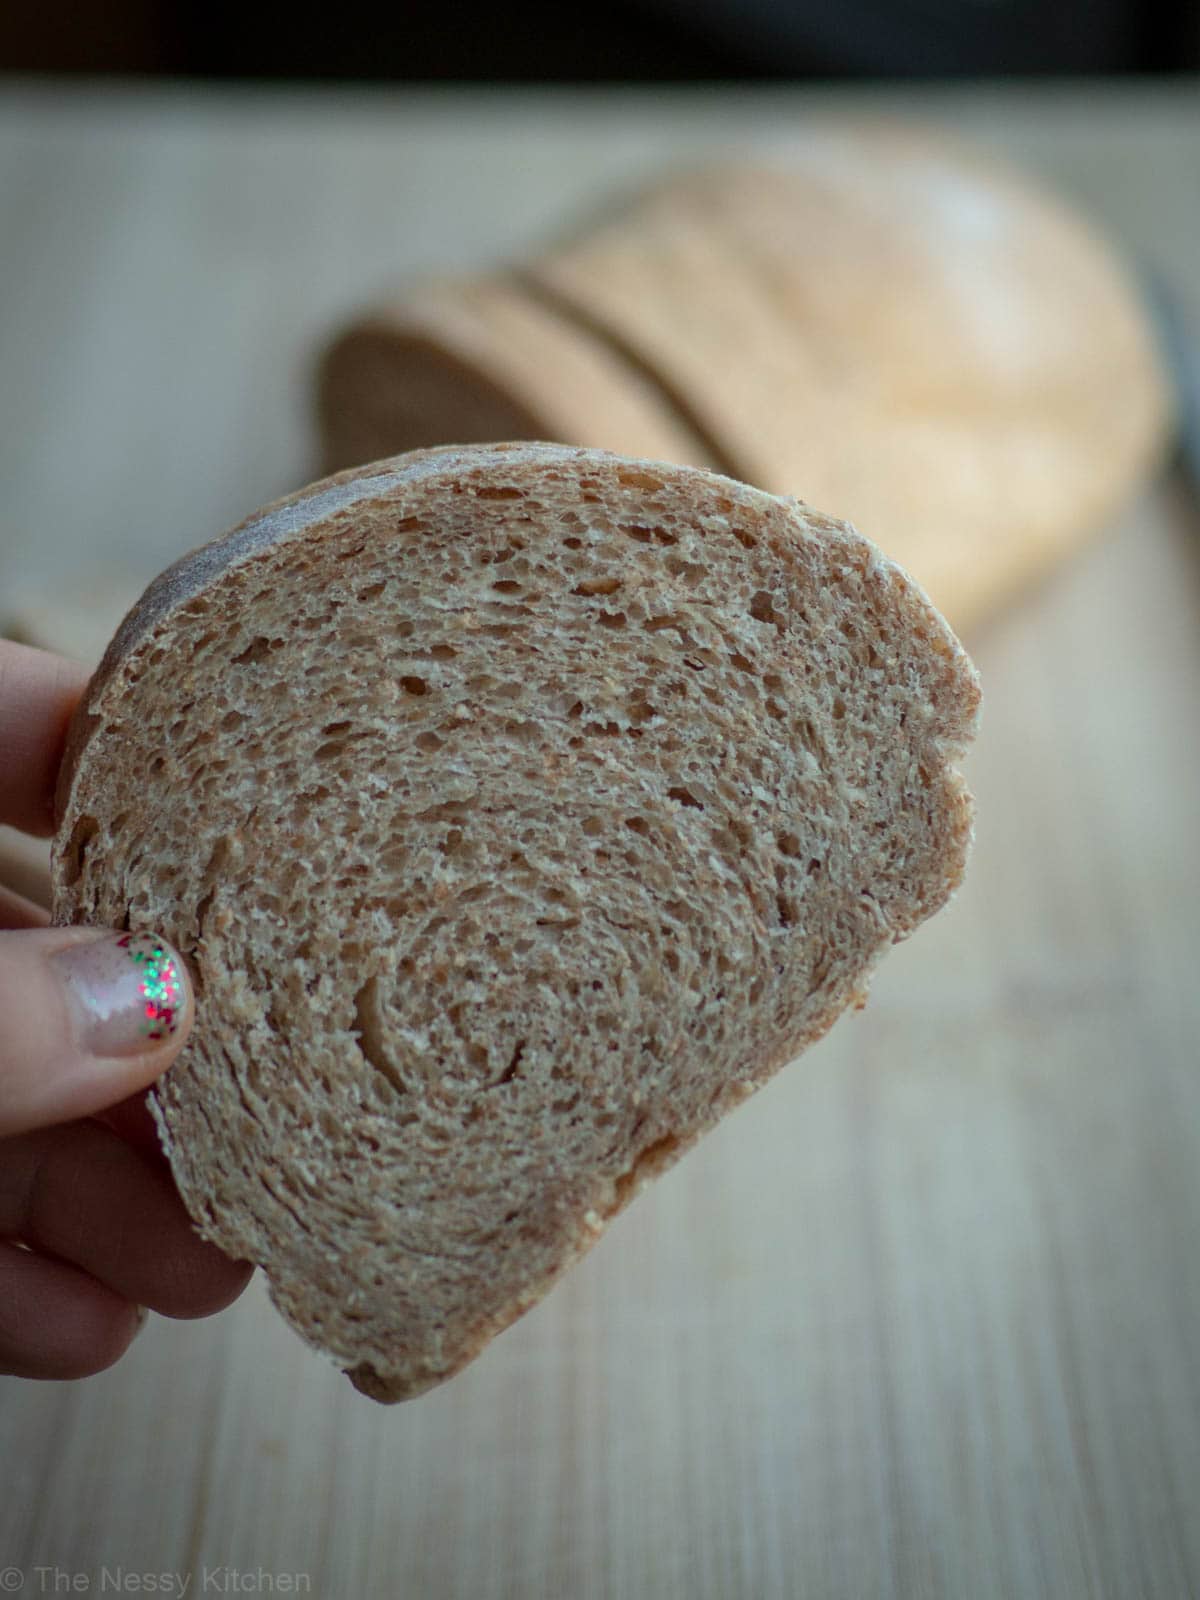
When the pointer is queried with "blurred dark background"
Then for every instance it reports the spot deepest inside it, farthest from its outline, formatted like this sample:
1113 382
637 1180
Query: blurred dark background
610 41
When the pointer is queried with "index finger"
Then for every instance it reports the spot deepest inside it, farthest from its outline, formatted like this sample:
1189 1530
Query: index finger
38 693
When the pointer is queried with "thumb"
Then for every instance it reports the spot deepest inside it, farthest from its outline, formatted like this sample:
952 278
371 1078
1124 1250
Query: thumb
87 1017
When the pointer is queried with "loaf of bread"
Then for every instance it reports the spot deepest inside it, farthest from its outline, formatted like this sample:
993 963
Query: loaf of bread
519 810
879 320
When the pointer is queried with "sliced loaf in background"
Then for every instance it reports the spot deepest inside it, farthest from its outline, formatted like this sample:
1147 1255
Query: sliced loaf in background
519 810
873 316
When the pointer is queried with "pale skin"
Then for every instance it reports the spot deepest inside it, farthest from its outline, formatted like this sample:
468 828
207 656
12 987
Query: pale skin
91 1227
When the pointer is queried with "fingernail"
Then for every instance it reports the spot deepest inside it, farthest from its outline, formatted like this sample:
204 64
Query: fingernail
129 992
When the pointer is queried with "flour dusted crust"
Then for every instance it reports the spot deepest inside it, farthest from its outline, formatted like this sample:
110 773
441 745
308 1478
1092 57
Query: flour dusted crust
519 810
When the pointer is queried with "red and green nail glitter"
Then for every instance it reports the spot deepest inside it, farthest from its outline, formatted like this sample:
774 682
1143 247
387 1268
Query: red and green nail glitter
162 991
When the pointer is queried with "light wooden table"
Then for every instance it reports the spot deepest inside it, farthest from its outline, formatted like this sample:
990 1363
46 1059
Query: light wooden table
921 1319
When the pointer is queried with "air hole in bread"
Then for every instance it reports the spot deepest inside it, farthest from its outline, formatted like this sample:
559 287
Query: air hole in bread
636 478
82 834
514 1062
203 907
414 685
685 797
370 1033
689 571
762 609
524 731
257 650
651 1161
666 620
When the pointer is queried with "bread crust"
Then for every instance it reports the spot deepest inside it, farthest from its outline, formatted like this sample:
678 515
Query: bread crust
244 1175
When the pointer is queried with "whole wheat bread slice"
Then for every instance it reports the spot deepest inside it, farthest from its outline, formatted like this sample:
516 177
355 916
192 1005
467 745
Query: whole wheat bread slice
519 810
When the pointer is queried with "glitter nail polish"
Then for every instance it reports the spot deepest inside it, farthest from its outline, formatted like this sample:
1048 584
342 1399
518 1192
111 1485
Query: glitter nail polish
129 992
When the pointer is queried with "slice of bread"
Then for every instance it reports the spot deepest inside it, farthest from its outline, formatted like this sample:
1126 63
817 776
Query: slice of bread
476 359
519 810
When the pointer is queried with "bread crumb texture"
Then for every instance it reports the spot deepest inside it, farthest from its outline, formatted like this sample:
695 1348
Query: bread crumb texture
519 809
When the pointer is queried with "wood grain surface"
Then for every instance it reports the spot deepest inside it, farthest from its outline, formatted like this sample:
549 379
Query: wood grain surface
921 1319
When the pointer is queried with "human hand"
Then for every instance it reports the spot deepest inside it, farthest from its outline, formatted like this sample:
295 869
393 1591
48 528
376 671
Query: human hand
91 1227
